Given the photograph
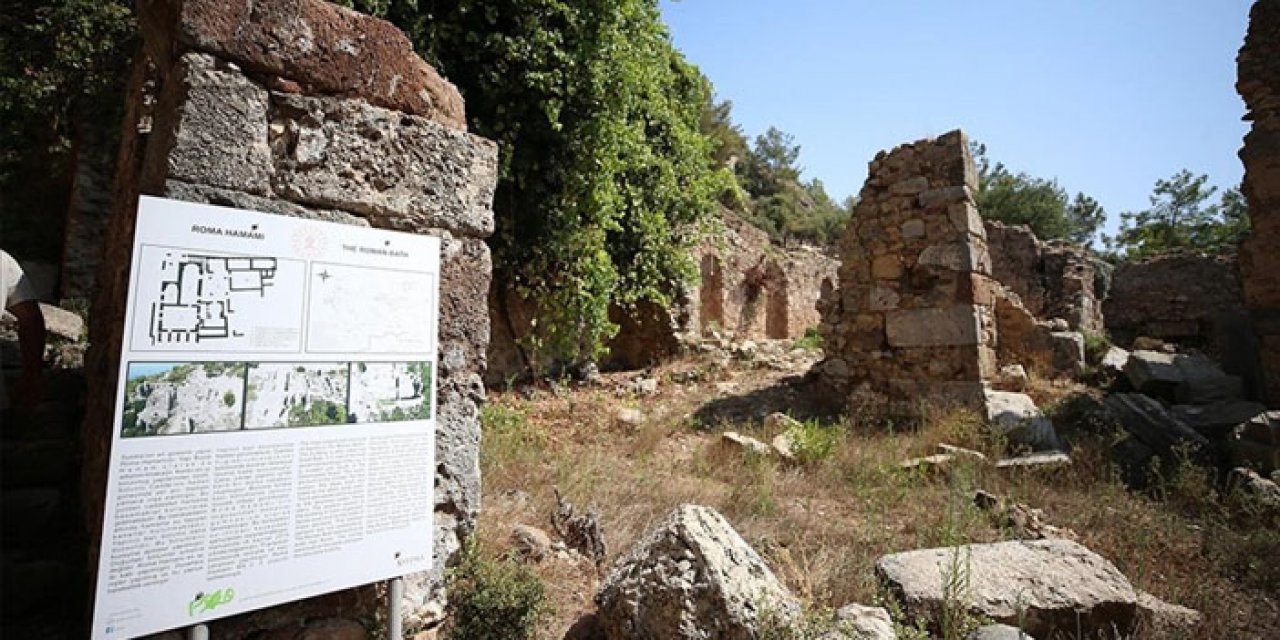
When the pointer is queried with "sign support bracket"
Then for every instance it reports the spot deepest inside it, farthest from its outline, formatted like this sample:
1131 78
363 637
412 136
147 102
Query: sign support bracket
394 597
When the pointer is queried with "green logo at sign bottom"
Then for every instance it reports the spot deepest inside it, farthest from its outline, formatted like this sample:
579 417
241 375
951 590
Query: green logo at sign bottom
209 601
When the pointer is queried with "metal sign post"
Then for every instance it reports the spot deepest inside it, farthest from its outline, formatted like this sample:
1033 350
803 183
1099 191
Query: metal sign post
198 632
395 595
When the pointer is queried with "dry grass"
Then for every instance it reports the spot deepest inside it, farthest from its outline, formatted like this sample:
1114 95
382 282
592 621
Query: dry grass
822 526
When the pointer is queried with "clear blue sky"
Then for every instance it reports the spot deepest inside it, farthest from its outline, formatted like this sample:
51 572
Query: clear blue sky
1107 96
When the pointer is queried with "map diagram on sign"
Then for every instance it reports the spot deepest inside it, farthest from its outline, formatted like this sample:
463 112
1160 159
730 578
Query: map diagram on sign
203 301
367 310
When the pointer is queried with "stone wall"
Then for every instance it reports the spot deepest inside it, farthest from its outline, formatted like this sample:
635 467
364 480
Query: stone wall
303 108
752 289
748 289
1259 85
912 316
1179 297
1052 279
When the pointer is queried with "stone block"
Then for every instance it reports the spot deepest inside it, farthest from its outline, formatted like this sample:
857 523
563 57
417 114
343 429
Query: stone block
944 197
913 229
1017 418
886 267
1068 350
1256 455
1049 587
931 327
321 46
882 298
910 186
956 256
211 128
402 172
1263 427
965 218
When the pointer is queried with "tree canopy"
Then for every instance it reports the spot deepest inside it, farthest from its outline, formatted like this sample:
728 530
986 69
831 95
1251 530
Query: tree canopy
1182 216
1043 205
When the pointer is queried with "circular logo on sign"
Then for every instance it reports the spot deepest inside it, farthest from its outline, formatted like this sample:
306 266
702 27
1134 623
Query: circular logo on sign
309 242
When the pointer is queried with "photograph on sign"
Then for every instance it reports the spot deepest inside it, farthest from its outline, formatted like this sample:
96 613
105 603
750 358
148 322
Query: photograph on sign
297 357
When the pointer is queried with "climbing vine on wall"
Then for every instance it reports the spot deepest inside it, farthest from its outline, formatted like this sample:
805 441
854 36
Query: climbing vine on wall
605 174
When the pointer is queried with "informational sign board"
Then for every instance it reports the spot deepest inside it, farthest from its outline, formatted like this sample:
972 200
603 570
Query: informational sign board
275 416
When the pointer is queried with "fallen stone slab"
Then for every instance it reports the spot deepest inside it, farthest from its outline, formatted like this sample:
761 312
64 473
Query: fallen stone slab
928 463
1185 379
1152 422
962 452
1040 459
1047 586
1017 418
1264 490
691 577
746 444
1012 378
1264 457
1219 419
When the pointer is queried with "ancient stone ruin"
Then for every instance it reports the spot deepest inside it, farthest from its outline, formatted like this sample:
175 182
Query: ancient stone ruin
913 314
1184 297
1259 85
306 109
752 290
748 289
1052 279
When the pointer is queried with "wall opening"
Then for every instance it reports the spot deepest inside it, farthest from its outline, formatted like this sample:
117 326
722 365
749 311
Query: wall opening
711 295
777 307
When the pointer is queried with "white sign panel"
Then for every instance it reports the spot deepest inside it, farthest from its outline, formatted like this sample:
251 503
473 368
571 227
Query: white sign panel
275 417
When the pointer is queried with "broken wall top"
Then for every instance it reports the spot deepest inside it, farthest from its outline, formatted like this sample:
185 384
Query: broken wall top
320 47
1258 64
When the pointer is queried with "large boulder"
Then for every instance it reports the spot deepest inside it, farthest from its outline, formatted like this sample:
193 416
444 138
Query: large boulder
1048 587
692 577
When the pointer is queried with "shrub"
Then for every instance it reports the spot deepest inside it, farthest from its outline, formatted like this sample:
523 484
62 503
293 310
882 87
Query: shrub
494 599
812 442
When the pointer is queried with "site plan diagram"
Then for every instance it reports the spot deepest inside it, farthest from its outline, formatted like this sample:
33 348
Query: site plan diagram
198 295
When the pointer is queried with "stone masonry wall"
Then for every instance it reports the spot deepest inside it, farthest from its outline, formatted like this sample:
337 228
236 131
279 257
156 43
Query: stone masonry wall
748 289
1175 297
751 289
1053 279
306 109
1259 85
912 315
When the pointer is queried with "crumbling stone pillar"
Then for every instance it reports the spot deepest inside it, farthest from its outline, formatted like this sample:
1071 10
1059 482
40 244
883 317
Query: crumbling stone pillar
911 318
1259 85
303 108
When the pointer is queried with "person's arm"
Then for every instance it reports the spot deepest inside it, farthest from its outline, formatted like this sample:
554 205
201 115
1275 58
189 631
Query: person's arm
31 336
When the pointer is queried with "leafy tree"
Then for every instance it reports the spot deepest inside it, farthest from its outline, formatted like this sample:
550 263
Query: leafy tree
1043 205
62 68
605 173
727 139
1181 217
770 166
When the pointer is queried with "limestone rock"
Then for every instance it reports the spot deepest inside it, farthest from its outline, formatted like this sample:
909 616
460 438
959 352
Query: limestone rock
329 49
1153 373
859 622
935 461
1017 417
1249 453
962 452
1264 490
999 632
1049 586
1012 378
746 444
1165 620
1114 360
530 542
628 418
1263 426
691 577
